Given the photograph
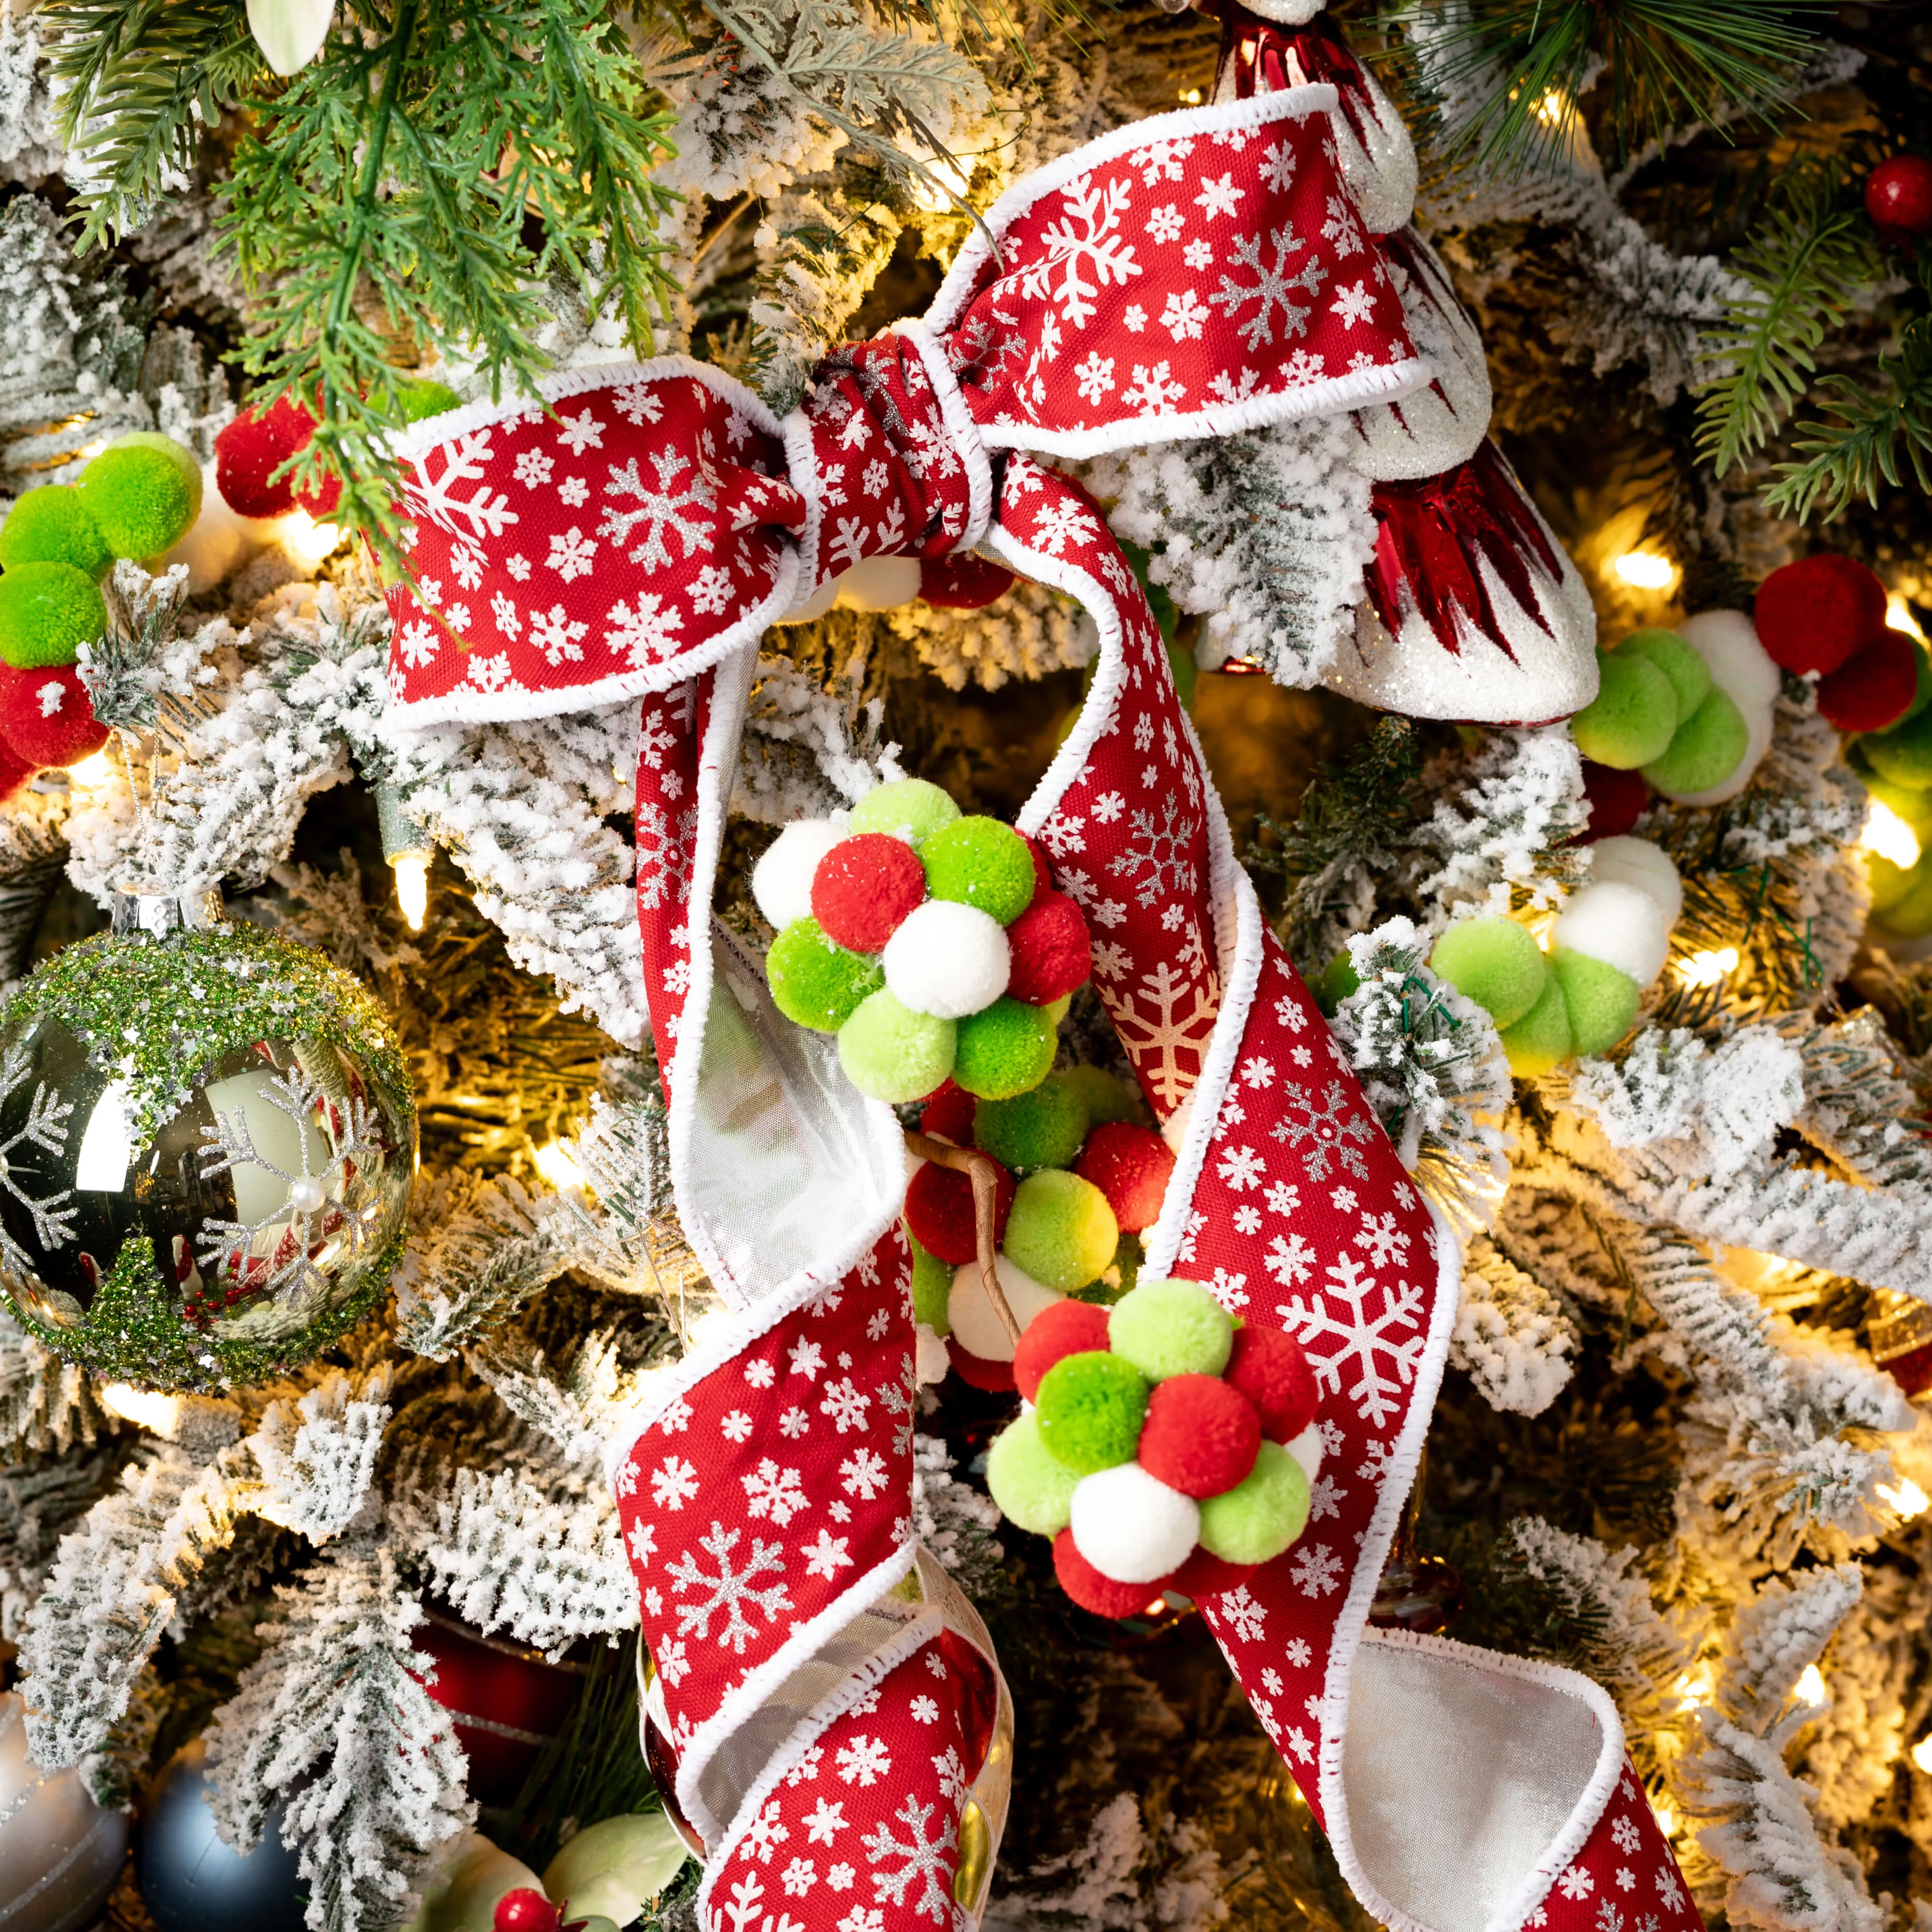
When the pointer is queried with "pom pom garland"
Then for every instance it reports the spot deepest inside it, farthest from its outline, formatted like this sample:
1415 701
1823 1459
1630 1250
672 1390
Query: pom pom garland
53 525
949 1115
948 960
939 1210
1052 955
1689 676
15 771
143 492
1042 1127
1131 1165
1631 719
1006 1049
1616 924
976 1327
47 612
907 808
979 1372
47 717
1636 862
1813 615
863 888
1601 999
1107 1098
781 880
815 983
931 1291
1181 1481
253 448
1495 961
1874 687
893 1053
1061 1231
1540 1040
1616 799
981 863
1707 747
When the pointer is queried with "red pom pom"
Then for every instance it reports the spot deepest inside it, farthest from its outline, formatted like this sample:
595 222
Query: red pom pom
525 1910
1042 869
1130 1165
1898 195
14 772
939 1211
1813 614
963 582
1064 1328
1270 1369
249 451
1872 690
864 887
1201 1436
1050 955
994 1377
949 1115
1205 1574
47 717
1092 1592
1615 799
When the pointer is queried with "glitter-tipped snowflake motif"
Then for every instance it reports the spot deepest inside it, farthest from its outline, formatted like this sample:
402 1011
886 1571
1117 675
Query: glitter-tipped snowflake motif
926 1862
728 1591
1158 861
46 1127
1334 1131
276 1252
667 507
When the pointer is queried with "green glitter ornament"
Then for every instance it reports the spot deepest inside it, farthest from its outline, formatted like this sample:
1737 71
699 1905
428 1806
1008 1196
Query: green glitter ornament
208 1140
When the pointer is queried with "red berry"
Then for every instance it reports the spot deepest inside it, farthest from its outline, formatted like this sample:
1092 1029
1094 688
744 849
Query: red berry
939 1211
1872 689
526 1910
994 1377
964 582
1270 1369
14 772
863 888
1616 799
1131 1166
1050 955
47 717
1064 1328
249 451
1205 1574
1043 871
949 1115
1201 1436
1092 1592
1898 195
1812 615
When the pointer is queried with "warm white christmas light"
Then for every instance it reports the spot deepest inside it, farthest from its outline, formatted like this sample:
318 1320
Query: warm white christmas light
557 1166
1694 1687
412 872
1906 1499
1645 570
1898 616
1922 1753
150 1408
307 540
1706 969
95 770
1810 1689
1889 836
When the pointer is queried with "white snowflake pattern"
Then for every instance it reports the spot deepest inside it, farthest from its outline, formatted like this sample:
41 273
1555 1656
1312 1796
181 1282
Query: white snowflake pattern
1060 521
581 432
1316 1572
1353 304
865 1474
1337 1310
1245 1617
826 1820
1163 1018
1154 390
864 1761
1184 315
827 1556
533 468
1231 1291
646 634
1086 235
773 1491
845 1405
1095 376
555 633
766 1835
571 554
1240 1168
1219 197
1388 1244
730 1589
466 460
1576 1883
673 1483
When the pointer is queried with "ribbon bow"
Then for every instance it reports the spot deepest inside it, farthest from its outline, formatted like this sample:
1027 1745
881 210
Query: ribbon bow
826 1709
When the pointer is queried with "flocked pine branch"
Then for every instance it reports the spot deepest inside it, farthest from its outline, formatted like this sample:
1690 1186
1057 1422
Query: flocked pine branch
1512 1337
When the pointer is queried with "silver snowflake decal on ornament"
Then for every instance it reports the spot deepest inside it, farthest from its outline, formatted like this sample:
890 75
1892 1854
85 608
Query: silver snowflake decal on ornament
332 1138
926 1862
730 1589
46 1127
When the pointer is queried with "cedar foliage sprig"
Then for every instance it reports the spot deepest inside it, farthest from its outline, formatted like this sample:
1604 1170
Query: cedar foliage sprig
383 199
1667 62
1803 264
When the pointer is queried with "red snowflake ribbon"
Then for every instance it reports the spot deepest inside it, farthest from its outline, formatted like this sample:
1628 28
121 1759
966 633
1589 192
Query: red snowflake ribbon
840 1732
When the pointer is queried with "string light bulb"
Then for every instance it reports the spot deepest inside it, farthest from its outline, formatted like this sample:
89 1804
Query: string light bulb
1645 570
1667 1817
96 769
1706 969
412 872
1905 1498
1922 1753
1810 1690
307 542
1898 617
558 1166
150 1409
1888 835
1695 1687
409 852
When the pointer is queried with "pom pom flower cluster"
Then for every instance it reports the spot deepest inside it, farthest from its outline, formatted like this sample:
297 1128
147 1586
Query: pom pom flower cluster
933 944
1078 1177
137 499
1162 1445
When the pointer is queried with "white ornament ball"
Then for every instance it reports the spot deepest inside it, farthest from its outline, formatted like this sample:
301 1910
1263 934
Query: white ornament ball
947 959
1618 924
1131 1527
969 1315
781 880
1636 862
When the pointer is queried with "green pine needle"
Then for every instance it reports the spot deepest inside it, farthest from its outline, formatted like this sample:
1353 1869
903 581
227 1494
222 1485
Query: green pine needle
1803 263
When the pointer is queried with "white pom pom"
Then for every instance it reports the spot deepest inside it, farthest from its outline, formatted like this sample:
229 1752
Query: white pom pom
1636 862
1306 1448
947 959
781 880
1618 924
969 1315
1742 668
1131 1527
931 1360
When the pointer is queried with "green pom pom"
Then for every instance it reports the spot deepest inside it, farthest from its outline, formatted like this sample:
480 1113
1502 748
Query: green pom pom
1903 754
1921 695
815 983
1630 720
1041 1128
907 808
1105 1096
47 611
1708 746
1261 1515
1339 979
893 1053
1496 963
932 1285
1167 1326
1060 1230
1541 1038
1089 1407
1601 999
144 490
1689 676
1912 805
1032 1487
426 399
980 862
1909 915
52 526
1005 1049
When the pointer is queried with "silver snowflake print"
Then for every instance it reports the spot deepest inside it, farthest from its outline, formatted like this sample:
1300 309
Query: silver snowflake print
1158 861
669 507
1332 1132
1272 288
926 1862
46 1127
727 1592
